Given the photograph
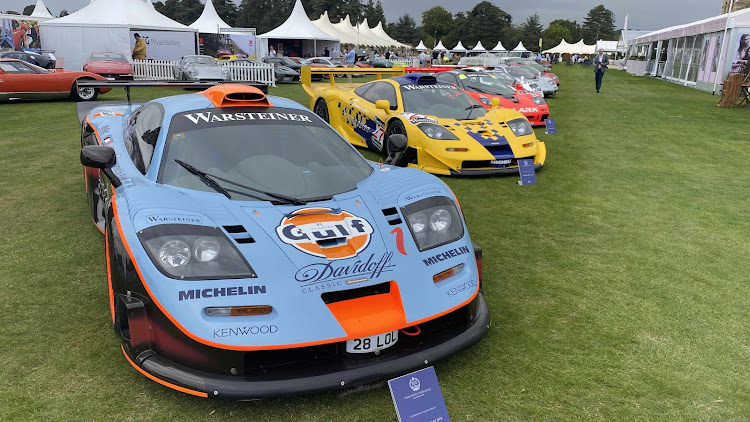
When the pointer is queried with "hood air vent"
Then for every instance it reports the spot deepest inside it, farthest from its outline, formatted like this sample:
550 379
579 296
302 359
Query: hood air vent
239 234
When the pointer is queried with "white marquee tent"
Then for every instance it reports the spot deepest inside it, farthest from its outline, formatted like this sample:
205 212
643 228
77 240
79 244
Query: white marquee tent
440 46
562 48
324 23
459 48
520 47
298 27
40 11
379 31
479 48
499 48
209 22
371 37
345 27
105 25
421 46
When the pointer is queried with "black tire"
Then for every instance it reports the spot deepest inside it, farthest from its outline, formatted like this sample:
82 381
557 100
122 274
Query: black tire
83 94
395 127
321 109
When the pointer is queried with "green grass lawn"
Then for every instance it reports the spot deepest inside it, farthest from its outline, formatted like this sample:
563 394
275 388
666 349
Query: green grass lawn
618 285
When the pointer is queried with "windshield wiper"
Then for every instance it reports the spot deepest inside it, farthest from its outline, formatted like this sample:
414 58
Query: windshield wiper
471 108
208 176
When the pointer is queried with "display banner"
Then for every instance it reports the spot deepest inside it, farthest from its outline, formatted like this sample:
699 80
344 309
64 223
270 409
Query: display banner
740 51
217 45
550 125
703 66
527 172
715 55
418 398
17 34
166 45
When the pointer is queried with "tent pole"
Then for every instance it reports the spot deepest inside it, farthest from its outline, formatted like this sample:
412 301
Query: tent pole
724 40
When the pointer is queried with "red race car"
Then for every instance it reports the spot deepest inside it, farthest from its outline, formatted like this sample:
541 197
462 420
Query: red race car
110 65
484 87
19 79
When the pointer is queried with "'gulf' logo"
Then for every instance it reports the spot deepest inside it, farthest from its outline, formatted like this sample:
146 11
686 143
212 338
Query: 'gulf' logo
325 233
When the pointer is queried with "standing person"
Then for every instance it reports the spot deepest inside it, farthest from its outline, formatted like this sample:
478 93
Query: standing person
387 54
422 59
350 56
434 57
601 62
139 52
271 52
326 53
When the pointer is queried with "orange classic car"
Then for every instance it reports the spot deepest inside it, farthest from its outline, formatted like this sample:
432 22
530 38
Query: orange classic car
22 80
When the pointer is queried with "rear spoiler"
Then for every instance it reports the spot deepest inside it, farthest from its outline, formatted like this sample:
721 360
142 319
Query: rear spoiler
84 108
307 72
160 84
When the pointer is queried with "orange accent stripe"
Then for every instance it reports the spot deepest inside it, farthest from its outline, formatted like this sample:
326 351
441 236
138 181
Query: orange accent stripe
96 132
370 315
162 382
183 329
109 279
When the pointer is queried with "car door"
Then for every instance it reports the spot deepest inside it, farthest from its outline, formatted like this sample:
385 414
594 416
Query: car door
27 82
370 124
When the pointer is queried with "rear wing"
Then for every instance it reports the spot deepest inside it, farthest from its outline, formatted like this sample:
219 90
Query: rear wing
331 72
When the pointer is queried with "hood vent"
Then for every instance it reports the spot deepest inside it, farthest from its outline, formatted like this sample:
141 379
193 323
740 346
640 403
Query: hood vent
239 234
342 295
391 215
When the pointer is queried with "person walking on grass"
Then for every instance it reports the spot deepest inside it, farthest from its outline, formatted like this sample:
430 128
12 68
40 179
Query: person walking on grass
601 61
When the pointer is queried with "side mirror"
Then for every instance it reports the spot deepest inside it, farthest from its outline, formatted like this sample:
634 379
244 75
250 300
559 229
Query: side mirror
494 102
98 156
396 142
383 105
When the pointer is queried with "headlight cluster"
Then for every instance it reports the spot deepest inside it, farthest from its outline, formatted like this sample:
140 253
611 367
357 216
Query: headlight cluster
538 100
534 87
485 100
192 72
188 252
225 71
437 132
520 127
433 222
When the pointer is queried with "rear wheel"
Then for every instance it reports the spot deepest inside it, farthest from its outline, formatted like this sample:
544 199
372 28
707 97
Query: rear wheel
96 196
83 93
321 109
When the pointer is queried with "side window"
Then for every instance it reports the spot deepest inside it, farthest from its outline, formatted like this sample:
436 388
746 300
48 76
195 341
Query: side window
361 90
381 91
15 68
141 134
88 136
446 78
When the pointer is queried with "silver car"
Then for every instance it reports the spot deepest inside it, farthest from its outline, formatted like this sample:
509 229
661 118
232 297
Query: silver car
525 74
200 68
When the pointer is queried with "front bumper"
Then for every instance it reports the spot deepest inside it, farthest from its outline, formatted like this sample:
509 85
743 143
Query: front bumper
490 171
339 373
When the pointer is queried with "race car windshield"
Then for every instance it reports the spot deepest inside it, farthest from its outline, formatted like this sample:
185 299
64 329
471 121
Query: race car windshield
526 72
199 60
108 56
488 84
441 101
286 152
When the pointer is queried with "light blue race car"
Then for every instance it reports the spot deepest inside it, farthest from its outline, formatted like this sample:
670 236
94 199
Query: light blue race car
252 252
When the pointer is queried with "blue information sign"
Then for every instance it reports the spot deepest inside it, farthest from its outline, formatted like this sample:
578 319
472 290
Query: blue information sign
551 128
527 172
418 398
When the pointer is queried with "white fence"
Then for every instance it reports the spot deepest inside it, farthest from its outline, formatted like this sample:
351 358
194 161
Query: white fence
161 70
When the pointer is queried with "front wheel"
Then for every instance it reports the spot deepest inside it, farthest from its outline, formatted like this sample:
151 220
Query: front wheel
321 109
84 93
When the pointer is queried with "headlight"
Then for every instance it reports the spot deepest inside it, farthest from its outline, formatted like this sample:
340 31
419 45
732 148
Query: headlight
485 100
538 100
193 73
520 127
188 252
437 132
225 71
433 222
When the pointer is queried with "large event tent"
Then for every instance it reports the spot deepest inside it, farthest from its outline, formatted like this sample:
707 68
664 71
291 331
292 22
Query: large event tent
299 31
345 27
521 49
209 22
421 46
106 25
562 48
371 37
324 23
499 48
380 32
479 48
440 46
40 11
459 48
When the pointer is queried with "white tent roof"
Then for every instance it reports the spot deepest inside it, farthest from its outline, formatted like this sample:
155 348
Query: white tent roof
562 48
345 27
459 48
371 37
582 48
326 26
297 27
209 21
479 47
130 13
40 11
440 46
150 4
520 47
607 46
379 31
421 46
737 19
499 47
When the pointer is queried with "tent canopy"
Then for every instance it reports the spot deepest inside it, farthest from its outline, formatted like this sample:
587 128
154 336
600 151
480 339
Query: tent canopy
459 48
298 27
379 31
421 46
209 21
499 47
521 48
109 13
372 38
478 48
562 48
607 46
440 46
345 27
324 23
40 11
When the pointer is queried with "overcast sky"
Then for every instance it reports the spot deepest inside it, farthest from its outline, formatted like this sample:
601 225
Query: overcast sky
644 14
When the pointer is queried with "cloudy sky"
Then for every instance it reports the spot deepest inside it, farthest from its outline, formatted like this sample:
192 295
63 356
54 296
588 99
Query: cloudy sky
644 14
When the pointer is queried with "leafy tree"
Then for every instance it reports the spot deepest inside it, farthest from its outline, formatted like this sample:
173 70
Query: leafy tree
436 20
599 24
354 9
264 15
404 30
189 11
458 32
11 12
572 26
483 23
28 9
227 10
531 31
554 33
378 14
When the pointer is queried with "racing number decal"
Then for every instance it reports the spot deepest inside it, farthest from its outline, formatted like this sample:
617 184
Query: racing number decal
377 135
399 240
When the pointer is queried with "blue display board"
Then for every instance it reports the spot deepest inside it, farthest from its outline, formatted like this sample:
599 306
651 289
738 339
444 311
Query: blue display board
418 398
551 128
527 172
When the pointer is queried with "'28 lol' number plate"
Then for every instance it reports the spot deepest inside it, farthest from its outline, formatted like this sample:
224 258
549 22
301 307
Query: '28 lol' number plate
373 343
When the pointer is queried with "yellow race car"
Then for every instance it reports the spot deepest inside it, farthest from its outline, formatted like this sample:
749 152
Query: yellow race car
447 131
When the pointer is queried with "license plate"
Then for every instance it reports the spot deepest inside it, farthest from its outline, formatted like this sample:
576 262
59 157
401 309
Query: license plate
373 343
502 163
